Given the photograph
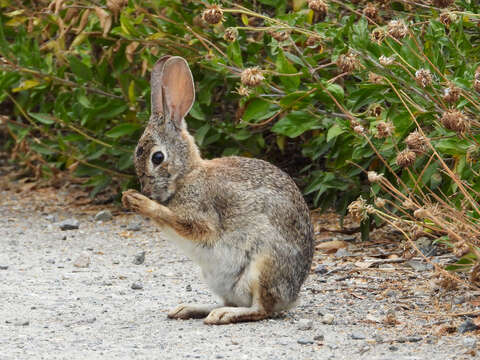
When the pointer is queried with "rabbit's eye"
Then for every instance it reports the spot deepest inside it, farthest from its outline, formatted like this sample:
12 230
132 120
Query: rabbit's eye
157 158
139 151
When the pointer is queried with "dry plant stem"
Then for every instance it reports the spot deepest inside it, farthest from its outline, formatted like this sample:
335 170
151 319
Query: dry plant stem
205 41
337 77
438 268
450 173
419 178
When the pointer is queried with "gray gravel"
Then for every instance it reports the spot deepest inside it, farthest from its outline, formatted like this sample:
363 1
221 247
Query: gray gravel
56 310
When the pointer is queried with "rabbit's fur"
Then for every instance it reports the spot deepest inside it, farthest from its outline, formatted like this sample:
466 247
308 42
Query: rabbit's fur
243 220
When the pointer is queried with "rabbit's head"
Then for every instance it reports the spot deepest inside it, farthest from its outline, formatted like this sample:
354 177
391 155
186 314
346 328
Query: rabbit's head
166 152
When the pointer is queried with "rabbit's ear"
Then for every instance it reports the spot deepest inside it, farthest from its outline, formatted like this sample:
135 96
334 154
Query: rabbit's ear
156 85
178 89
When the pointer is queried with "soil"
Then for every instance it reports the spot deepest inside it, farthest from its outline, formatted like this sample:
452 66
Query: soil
86 293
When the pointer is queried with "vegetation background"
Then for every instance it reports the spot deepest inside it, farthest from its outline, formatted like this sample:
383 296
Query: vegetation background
375 99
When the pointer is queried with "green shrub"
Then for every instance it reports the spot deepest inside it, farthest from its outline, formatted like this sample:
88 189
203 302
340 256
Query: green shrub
339 91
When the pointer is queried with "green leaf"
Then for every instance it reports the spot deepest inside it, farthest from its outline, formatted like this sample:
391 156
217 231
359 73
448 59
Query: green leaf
45 119
80 70
256 110
334 131
296 123
122 130
285 67
234 54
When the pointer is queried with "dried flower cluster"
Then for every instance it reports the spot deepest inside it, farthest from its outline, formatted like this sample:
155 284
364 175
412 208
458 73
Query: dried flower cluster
242 90
230 34
386 61
423 77
446 18
417 142
380 202
397 29
451 94
358 209
384 129
442 3
319 6
455 120
374 177
377 35
312 41
252 76
347 63
476 80
359 129
406 158
213 15
279 35
370 11
375 78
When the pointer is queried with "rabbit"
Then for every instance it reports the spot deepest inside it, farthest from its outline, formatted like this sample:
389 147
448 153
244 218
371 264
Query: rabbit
242 220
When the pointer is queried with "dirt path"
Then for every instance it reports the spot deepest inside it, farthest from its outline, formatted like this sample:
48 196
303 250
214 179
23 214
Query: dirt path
49 308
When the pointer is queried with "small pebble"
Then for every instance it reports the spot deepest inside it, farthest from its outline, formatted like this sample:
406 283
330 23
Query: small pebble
305 341
466 326
319 337
137 285
357 336
470 342
83 260
69 224
116 262
188 287
459 300
103 215
328 319
134 226
139 258
52 218
64 237
305 324
21 323
320 269
51 261
392 348
3 267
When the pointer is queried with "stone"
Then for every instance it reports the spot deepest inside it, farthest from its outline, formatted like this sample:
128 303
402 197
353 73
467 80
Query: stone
470 342
357 336
69 224
419 265
137 285
51 261
103 215
188 287
3 267
328 319
305 341
459 300
320 269
22 322
82 261
343 252
319 337
139 258
304 324
51 218
466 326
134 225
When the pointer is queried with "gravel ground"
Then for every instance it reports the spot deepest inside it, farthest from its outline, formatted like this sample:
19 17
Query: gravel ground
54 307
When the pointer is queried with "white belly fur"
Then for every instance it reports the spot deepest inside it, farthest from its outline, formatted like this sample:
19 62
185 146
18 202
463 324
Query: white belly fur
220 265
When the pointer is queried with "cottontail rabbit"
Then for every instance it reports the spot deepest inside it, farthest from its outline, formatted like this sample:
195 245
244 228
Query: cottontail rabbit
243 220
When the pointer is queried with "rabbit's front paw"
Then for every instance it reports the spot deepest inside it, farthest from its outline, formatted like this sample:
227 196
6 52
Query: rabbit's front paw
135 201
185 311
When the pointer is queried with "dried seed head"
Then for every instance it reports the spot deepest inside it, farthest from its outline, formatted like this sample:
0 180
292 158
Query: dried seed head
279 35
377 35
374 78
409 204
406 158
417 142
213 15
348 62
374 177
421 213
386 61
451 94
446 18
384 129
461 248
477 74
358 209
380 202
319 6
370 11
243 90
455 120
359 129
442 3
397 29
252 76
423 77
476 85
230 34
312 41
